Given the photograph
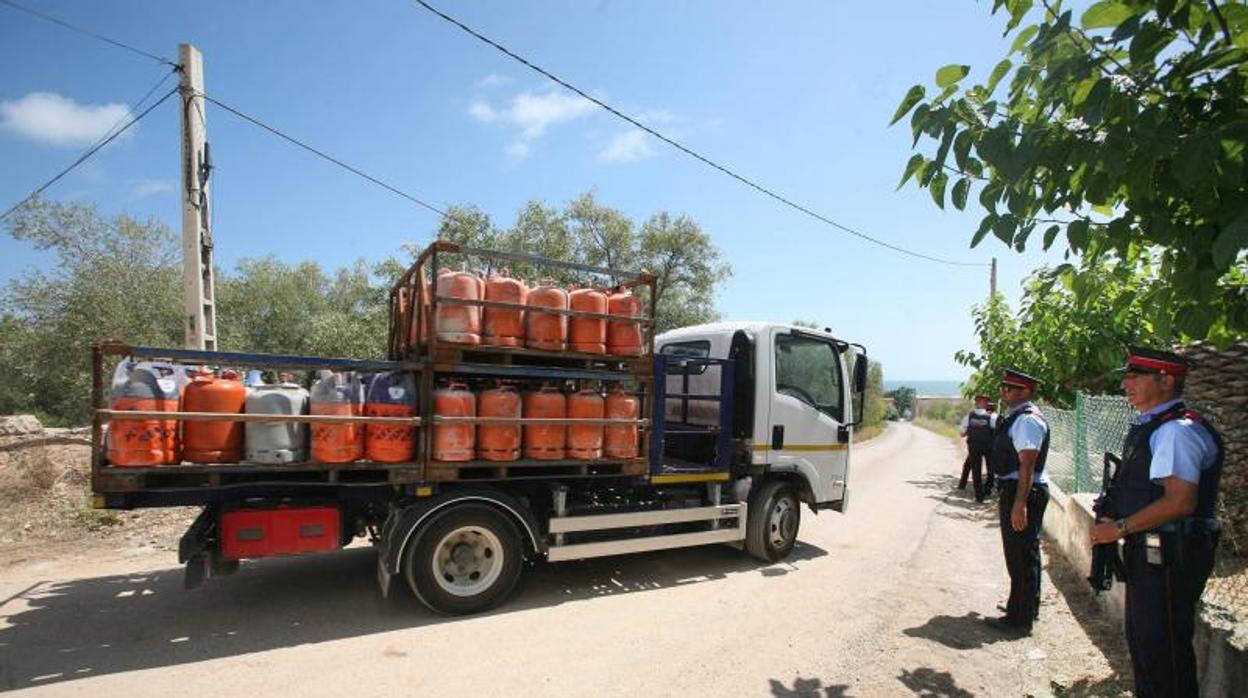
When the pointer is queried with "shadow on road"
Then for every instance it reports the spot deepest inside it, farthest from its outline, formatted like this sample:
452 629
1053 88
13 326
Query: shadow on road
958 504
61 631
959 632
808 688
929 683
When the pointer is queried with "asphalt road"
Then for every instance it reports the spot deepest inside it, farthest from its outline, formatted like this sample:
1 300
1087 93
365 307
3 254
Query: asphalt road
884 600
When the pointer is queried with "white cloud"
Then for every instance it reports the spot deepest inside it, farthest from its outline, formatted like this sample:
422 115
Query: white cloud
533 114
493 80
49 118
658 116
150 187
629 146
482 112
518 150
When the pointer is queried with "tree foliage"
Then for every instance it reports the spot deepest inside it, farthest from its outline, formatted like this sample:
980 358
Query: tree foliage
1070 331
1119 135
121 279
903 398
687 265
874 408
112 279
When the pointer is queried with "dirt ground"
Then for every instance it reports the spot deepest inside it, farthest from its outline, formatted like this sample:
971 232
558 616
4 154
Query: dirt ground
45 505
884 600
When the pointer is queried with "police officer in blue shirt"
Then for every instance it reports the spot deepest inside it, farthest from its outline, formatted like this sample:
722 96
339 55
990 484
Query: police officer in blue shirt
1164 495
1019 452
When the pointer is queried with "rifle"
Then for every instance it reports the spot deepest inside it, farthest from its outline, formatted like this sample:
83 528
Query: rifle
1106 564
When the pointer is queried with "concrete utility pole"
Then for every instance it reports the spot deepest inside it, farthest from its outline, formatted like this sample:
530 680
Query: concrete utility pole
199 290
992 280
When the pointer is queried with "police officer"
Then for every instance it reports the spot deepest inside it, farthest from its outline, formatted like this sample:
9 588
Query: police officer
978 428
1164 496
1019 451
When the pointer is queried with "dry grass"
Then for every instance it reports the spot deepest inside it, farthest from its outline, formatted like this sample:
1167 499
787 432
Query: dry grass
45 495
868 433
940 427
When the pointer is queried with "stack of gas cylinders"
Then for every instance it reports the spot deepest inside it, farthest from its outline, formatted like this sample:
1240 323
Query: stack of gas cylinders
520 432
161 387
535 326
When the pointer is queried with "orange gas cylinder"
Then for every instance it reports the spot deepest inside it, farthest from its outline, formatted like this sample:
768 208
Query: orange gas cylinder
620 441
459 324
504 327
390 395
454 442
547 331
143 442
418 331
499 442
624 337
214 442
545 441
585 440
585 334
337 394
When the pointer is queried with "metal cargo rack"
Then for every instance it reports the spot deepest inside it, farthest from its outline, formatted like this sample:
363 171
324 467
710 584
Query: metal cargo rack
413 307
197 483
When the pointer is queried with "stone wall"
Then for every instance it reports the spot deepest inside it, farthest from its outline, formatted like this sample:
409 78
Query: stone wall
1218 386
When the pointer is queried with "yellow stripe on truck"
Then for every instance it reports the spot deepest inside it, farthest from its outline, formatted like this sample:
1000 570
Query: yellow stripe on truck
803 447
688 477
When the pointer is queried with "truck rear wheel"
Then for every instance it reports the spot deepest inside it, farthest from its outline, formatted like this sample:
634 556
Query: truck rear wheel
773 517
466 560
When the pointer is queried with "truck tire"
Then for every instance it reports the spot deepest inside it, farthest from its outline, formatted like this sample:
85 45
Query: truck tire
465 561
773 517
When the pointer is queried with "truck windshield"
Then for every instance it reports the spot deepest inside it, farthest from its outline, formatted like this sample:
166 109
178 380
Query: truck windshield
809 369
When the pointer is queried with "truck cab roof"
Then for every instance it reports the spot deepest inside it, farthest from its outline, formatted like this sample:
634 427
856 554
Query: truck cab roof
729 328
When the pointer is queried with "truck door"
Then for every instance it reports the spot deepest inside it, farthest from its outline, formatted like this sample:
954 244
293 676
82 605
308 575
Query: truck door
808 408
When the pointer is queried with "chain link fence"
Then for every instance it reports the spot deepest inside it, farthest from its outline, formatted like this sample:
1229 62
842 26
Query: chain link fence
1078 441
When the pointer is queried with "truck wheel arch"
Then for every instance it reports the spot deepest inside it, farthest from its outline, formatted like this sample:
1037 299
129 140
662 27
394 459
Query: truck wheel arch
409 521
800 483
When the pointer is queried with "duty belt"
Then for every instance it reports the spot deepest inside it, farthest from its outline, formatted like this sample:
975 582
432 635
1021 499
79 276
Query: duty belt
1195 525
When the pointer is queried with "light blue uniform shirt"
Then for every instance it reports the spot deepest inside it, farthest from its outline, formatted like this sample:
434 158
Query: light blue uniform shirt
1181 448
1027 433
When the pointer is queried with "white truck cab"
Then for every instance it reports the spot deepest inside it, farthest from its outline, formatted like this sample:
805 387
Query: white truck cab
797 397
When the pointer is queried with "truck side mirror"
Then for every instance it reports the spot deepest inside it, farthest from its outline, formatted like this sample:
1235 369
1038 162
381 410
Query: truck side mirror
860 375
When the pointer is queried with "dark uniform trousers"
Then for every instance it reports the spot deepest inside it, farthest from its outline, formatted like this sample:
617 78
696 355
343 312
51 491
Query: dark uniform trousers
974 465
1161 614
1022 551
979 444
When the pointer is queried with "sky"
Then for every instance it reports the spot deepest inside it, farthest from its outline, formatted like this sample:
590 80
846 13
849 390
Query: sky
794 95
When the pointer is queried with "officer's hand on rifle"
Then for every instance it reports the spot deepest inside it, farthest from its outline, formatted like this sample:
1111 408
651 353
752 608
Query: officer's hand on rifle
1105 531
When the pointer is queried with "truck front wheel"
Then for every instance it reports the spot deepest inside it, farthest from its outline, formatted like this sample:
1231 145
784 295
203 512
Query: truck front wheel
773 517
466 560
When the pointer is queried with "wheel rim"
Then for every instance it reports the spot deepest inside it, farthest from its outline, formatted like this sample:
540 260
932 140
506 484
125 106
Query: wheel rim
782 522
467 561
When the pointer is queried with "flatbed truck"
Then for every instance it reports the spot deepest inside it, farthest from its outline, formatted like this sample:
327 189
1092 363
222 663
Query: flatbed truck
741 424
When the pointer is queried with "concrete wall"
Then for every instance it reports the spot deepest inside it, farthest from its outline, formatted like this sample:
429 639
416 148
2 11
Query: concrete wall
1221 643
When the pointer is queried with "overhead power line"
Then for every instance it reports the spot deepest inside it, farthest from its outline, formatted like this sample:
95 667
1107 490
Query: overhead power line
87 32
686 150
326 156
141 101
90 151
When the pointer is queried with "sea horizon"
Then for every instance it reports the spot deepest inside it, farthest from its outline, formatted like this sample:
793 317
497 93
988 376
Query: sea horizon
927 386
